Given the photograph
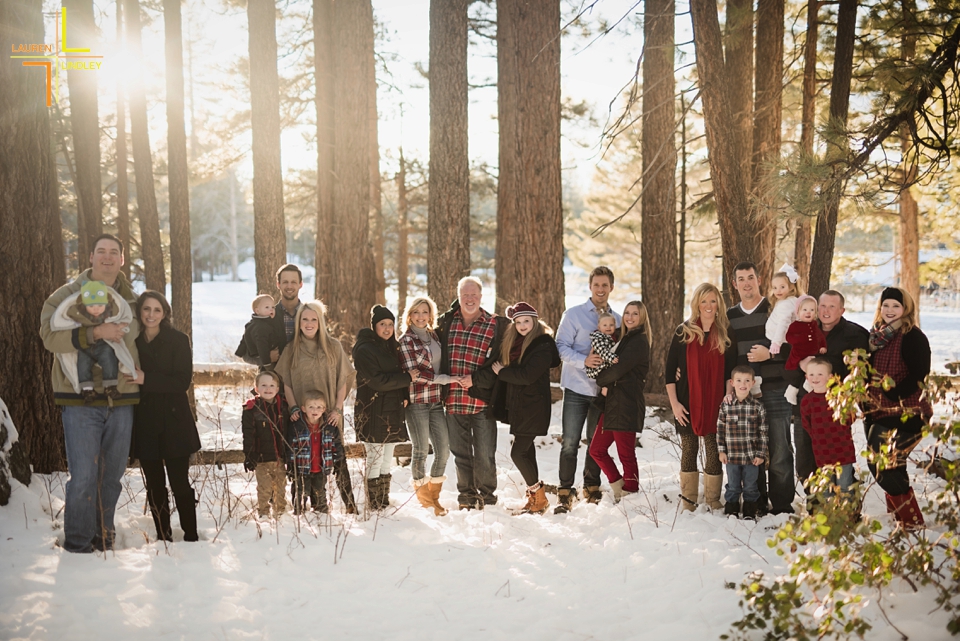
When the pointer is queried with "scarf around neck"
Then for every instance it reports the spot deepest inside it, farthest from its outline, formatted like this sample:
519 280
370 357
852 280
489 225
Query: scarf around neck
881 333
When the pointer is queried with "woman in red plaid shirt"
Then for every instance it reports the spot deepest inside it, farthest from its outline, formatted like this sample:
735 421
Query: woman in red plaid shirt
420 351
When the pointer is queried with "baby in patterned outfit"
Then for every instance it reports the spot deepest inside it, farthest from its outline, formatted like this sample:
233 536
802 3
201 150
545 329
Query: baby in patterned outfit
602 343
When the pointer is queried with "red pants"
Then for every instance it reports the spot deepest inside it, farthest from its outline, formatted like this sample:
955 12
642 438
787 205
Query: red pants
627 451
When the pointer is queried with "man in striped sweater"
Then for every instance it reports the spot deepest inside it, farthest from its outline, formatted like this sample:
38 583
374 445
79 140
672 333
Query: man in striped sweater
748 322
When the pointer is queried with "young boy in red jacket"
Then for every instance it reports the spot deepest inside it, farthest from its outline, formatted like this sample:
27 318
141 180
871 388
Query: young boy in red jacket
832 439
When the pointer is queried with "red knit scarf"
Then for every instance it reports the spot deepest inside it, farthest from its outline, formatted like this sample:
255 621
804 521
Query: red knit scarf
705 375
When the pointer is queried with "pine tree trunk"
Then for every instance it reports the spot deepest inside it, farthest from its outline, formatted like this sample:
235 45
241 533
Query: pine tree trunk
85 125
825 236
181 256
529 261
123 191
723 135
767 114
738 53
269 230
801 248
151 246
448 231
354 278
660 274
324 77
909 225
376 207
403 267
29 212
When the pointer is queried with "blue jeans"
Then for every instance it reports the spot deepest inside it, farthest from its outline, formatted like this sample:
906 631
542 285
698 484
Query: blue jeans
576 409
741 479
473 442
98 443
845 481
426 424
782 484
103 355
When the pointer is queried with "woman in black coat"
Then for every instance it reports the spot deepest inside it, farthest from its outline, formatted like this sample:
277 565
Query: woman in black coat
522 394
164 431
382 394
624 406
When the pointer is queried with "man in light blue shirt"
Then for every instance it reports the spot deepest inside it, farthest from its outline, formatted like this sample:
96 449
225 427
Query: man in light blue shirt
579 391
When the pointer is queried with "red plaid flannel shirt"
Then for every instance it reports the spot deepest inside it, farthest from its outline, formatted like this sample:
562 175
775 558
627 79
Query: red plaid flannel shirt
415 355
467 349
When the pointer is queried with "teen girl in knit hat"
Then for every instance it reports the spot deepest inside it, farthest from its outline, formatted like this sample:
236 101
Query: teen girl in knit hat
901 351
522 398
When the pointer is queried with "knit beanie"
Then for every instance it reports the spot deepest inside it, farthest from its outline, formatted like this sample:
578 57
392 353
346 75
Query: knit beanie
379 313
801 300
521 309
94 292
892 293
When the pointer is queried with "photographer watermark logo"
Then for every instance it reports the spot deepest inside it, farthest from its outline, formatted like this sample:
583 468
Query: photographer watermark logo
56 57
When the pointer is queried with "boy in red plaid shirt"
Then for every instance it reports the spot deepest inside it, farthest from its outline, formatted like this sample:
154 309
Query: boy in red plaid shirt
471 338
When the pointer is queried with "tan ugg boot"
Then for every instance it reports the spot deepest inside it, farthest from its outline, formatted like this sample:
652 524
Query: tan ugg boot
689 486
422 488
435 485
712 486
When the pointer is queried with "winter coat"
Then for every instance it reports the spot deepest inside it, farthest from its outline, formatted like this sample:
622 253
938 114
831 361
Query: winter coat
264 428
64 342
163 426
261 335
483 378
525 403
382 387
778 322
624 405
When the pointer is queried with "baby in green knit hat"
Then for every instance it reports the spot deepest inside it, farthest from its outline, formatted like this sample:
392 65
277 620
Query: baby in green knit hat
94 306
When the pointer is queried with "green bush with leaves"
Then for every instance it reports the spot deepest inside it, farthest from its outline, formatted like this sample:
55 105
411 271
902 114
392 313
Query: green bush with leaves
838 561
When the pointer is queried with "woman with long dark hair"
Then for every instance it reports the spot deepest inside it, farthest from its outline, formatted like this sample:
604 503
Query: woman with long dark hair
901 351
697 370
164 431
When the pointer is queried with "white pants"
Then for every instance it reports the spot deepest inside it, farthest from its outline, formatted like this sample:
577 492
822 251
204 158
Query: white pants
379 458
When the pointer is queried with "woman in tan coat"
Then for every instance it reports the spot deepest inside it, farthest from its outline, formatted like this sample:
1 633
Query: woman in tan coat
315 360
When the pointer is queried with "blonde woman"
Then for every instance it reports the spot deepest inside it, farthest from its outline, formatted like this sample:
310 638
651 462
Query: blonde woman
621 388
422 353
527 353
697 373
900 350
315 360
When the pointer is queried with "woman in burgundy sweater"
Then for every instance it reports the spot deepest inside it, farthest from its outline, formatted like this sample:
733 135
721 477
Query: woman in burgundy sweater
899 350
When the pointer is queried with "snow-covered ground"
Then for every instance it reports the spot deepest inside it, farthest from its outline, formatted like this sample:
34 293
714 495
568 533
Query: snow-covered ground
637 570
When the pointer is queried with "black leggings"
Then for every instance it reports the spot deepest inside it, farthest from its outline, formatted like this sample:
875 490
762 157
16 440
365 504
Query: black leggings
689 448
524 455
894 480
156 484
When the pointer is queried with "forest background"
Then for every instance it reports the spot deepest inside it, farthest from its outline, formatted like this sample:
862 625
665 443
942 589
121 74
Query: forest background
429 140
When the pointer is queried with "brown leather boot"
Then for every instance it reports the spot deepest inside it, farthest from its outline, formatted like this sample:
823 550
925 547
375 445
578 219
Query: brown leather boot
435 485
537 502
424 492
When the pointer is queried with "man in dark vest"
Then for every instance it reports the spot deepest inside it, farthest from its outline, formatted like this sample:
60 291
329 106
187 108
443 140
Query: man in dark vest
748 321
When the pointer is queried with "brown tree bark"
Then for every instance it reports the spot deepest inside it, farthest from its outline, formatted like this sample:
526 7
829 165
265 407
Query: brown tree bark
767 114
354 278
123 191
85 125
324 78
826 231
529 262
802 247
151 246
448 231
909 224
403 266
29 212
269 230
181 254
376 207
660 273
724 145
738 55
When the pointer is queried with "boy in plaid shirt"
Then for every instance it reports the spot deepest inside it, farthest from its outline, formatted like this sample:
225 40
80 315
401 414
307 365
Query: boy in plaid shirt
316 450
742 442
602 343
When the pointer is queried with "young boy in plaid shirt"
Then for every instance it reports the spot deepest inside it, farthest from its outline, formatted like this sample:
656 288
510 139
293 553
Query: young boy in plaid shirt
316 450
742 442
